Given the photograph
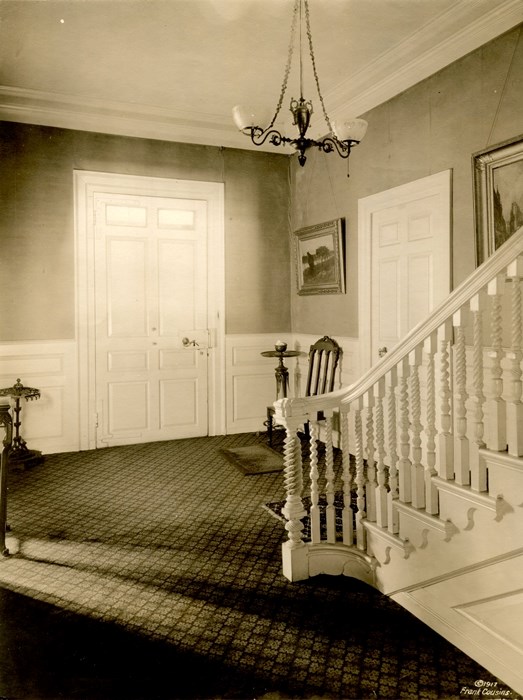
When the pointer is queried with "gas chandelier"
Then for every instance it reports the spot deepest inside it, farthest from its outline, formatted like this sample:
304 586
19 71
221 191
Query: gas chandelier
342 134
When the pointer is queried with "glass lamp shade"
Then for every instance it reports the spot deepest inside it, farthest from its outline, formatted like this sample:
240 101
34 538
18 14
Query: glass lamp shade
244 117
349 129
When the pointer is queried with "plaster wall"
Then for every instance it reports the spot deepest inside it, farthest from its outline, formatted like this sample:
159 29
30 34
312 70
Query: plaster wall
436 125
37 278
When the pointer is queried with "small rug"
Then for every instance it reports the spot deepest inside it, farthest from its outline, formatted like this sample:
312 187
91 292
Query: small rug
254 459
275 508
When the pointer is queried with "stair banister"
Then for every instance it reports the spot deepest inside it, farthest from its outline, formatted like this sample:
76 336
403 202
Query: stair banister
485 273
424 502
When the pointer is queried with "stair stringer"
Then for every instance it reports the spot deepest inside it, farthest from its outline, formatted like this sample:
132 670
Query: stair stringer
472 528
478 609
505 475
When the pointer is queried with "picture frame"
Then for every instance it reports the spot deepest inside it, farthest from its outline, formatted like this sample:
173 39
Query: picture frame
320 258
498 195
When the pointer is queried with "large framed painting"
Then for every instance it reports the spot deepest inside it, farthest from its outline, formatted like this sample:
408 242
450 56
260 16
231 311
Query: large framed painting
498 195
320 258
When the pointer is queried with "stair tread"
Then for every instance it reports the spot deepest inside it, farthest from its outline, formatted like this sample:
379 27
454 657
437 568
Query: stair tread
482 498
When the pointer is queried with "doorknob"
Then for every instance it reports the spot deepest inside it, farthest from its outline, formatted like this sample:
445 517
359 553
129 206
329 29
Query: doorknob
382 351
186 342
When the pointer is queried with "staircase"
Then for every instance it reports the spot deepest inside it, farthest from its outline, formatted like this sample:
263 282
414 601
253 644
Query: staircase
432 443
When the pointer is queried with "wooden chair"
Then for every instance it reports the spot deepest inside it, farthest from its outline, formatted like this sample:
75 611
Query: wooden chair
324 356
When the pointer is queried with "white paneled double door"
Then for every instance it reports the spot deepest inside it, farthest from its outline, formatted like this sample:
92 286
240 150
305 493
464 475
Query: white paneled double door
151 318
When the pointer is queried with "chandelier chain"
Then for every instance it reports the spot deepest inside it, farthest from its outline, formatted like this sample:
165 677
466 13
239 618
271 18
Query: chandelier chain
350 133
288 65
313 61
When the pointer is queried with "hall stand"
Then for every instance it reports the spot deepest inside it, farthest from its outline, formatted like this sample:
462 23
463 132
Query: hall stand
7 423
21 455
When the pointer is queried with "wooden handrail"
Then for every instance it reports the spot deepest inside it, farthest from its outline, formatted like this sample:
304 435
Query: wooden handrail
507 253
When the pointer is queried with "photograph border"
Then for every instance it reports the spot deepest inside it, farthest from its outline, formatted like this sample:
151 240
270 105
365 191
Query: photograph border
484 165
335 231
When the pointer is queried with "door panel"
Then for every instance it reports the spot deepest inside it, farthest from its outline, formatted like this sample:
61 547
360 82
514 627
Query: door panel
126 295
128 404
178 402
388 300
151 284
409 229
419 288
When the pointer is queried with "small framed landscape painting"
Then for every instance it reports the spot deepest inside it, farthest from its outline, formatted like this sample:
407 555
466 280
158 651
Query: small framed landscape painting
498 195
320 258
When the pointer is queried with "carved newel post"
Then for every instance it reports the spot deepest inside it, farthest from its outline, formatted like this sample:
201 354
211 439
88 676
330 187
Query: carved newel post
294 551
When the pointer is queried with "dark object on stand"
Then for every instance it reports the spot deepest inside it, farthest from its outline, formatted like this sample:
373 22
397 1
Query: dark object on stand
281 372
21 455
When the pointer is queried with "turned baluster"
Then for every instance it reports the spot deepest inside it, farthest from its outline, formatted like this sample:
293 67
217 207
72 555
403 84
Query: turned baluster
381 488
417 469
293 510
461 441
445 454
370 486
360 475
514 405
393 494
329 477
314 476
404 463
431 492
347 517
478 467
496 433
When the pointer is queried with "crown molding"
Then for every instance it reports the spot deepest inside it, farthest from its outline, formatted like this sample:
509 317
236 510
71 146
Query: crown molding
85 114
420 56
429 50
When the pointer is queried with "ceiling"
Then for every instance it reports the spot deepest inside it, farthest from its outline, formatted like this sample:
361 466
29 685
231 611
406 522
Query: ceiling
173 69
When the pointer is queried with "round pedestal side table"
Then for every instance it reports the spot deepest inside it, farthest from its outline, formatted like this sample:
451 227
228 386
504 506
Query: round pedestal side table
281 372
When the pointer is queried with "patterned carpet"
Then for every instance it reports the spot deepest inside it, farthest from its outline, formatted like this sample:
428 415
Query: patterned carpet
153 571
276 509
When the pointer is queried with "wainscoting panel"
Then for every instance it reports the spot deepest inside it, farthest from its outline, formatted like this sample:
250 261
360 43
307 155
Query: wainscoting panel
50 423
250 379
247 406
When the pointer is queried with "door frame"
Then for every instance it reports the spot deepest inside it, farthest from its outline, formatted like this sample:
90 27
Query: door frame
439 183
86 184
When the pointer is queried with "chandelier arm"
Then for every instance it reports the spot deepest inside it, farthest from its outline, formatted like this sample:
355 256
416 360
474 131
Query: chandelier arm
259 136
288 64
328 144
313 61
